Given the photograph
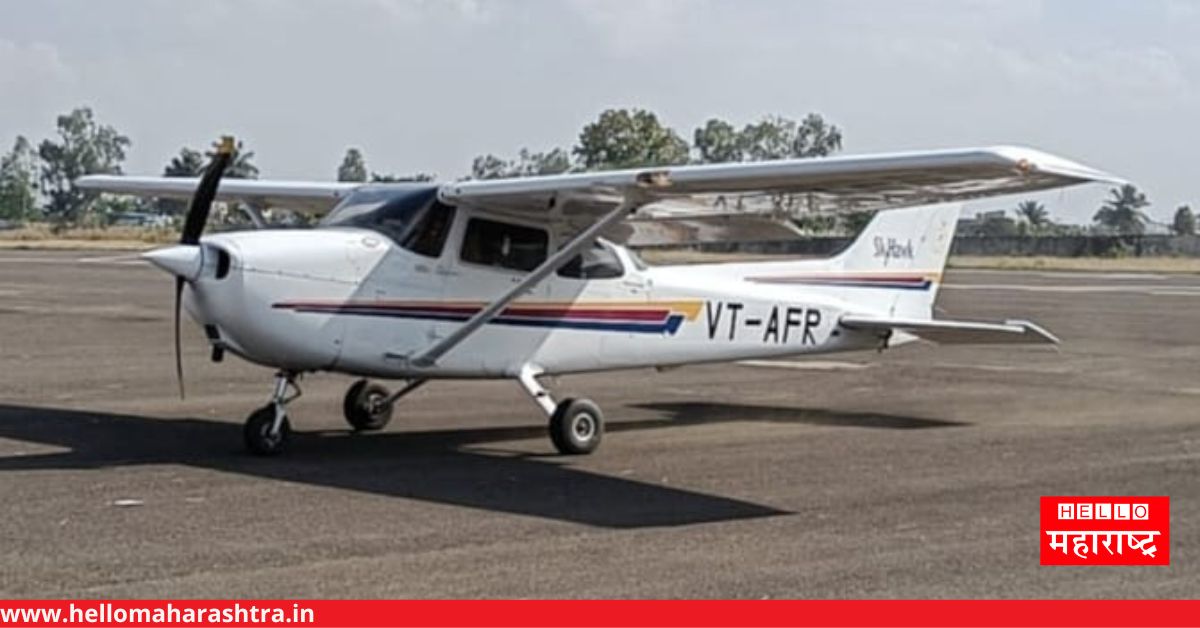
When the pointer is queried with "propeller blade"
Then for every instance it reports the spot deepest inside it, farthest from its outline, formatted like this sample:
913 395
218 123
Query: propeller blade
193 226
178 347
201 204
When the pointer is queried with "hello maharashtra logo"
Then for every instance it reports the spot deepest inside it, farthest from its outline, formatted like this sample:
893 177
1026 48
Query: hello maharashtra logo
1105 530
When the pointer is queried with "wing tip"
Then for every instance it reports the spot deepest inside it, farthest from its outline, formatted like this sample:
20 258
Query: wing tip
1030 159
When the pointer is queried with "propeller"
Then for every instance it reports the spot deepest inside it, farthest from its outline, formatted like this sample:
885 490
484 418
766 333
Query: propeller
193 225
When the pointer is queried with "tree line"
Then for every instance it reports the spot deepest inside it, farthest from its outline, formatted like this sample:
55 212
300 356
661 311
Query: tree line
630 138
36 181
1122 213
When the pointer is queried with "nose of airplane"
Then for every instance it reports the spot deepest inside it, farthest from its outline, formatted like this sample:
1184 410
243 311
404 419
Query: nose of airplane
182 260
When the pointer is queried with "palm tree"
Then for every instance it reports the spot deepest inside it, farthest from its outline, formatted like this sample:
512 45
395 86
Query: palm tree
188 163
1122 212
1184 222
240 166
1035 214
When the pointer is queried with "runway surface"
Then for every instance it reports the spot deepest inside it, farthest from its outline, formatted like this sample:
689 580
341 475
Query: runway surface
915 473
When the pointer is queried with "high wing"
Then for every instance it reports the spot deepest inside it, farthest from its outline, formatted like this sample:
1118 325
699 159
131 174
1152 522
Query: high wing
851 182
848 182
308 196
955 332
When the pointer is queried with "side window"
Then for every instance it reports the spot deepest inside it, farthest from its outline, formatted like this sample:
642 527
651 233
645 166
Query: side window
500 244
428 236
596 262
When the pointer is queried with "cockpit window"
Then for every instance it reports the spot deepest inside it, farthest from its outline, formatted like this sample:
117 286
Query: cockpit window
428 235
598 261
505 245
413 218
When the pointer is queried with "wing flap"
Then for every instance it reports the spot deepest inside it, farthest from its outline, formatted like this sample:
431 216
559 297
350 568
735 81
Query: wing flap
956 332
308 196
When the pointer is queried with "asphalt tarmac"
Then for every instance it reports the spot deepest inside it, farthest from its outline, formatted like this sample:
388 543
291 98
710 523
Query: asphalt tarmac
915 473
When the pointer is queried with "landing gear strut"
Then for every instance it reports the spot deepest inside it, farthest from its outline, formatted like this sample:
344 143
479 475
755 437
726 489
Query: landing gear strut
267 429
576 425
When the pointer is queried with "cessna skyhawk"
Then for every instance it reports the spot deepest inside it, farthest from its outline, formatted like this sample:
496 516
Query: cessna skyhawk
512 279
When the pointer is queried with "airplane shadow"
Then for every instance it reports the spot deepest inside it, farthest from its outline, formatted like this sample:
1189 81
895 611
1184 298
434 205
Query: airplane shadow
454 467
435 466
707 412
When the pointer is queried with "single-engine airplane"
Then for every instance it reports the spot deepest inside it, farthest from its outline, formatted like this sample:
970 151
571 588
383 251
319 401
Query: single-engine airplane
513 279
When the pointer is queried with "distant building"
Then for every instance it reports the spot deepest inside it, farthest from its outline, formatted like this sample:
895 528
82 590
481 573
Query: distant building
1158 228
989 223
139 219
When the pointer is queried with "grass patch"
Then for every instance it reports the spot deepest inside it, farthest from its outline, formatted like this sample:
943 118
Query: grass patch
42 236
1082 264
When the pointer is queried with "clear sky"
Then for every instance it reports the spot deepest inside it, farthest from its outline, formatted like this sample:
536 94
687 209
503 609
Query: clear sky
425 85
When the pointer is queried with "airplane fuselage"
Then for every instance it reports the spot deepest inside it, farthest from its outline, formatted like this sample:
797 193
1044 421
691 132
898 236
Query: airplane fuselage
351 300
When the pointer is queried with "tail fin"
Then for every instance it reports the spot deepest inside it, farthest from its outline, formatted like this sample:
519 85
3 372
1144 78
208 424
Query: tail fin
903 253
893 269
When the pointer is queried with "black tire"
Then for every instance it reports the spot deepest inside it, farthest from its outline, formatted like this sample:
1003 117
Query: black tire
577 427
257 432
361 407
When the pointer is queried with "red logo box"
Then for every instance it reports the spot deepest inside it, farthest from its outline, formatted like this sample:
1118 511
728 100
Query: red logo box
1106 531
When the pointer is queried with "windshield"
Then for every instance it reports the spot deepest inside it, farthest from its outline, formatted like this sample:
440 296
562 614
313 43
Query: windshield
356 209
411 217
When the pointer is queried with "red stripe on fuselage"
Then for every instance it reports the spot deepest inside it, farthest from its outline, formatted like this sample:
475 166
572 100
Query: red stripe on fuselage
468 310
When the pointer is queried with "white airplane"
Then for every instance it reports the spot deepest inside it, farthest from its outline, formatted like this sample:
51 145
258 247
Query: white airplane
512 279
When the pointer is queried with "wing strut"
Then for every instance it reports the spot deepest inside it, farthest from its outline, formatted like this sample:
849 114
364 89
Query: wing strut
562 256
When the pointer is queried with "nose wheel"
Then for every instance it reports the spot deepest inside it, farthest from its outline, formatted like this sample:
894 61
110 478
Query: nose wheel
261 435
267 430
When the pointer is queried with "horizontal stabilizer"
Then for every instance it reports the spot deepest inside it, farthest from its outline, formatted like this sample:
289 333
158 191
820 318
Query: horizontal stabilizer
956 332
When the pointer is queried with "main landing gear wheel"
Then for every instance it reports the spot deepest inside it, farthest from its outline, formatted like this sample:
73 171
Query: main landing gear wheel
576 427
366 406
261 436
